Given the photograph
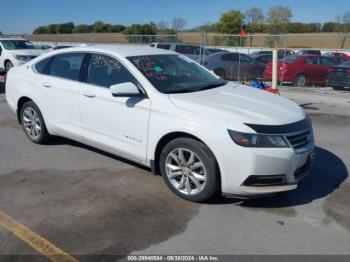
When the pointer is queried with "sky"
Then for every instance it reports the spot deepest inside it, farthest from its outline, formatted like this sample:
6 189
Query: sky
22 16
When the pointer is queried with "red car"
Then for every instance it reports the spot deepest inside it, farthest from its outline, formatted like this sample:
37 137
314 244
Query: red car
339 54
301 70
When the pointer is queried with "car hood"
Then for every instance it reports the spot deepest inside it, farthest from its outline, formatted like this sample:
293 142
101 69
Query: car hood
31 52
238 104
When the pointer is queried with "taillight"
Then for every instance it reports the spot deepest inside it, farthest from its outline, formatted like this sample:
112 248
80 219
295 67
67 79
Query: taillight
5 77
348 71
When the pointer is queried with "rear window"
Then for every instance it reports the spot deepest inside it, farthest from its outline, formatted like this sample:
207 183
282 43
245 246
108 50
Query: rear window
163 46
187 49
42 66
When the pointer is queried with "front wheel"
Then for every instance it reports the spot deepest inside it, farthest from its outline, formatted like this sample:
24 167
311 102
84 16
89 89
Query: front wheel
189 169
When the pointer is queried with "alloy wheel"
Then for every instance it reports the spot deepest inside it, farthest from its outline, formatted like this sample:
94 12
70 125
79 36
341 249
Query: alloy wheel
31 122
186 171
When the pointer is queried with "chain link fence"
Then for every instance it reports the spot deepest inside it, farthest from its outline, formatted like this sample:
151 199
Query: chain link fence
304 59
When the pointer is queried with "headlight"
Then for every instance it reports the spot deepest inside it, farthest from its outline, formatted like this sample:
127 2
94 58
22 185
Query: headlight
22 57
255 140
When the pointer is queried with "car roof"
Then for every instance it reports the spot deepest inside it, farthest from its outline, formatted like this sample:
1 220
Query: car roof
120 50
12 38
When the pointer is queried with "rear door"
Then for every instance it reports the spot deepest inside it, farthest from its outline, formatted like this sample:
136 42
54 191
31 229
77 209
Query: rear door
58 80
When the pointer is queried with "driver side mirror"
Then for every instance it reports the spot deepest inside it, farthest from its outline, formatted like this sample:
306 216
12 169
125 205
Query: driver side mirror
127 89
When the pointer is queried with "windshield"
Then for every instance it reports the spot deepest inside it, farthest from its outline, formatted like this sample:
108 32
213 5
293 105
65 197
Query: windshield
175 73
17 44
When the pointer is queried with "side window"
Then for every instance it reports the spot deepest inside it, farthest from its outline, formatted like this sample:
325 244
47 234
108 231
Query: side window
183 49
164 46
0 50
230 57
42 66
195 50
67 65
106 71
245 58
266 59
328 62
309 61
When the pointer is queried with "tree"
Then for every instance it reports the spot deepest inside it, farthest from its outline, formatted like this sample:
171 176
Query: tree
343 28
278 17
162 25
254 17
143 33
178 24
230 23
66 28
83 28
330 27
40 30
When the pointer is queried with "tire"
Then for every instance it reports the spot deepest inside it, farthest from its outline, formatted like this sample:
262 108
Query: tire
220 72
300 80
33 123
8 66
197 181
340 88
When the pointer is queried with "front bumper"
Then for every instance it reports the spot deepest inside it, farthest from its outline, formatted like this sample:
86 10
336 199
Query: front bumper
242 166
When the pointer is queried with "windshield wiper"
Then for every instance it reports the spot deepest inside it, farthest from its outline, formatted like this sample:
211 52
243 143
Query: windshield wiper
177 91
211 86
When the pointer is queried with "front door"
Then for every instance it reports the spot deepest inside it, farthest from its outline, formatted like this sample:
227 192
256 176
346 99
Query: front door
119 124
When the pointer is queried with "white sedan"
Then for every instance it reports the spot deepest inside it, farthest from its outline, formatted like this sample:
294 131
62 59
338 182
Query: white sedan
165 111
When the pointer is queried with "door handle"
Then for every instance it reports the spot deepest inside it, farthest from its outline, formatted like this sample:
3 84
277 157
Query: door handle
47 85
89 94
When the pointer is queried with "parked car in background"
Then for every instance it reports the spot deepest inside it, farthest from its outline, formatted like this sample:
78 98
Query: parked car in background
281 53
309 52
341 57
234 66
301 70
262 58
215 50
339 76
162 110
15 52
195 52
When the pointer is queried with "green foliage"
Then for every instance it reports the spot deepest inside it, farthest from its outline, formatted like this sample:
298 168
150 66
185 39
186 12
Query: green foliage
278 17
230 22
146 30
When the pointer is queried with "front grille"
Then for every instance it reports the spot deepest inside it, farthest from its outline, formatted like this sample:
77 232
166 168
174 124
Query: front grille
299 140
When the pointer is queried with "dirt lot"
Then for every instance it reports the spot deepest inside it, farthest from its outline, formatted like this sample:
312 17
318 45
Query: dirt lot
88 202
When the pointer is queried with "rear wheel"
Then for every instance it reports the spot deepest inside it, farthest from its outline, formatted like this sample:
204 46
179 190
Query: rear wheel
8 66
300 80
33 123
189 169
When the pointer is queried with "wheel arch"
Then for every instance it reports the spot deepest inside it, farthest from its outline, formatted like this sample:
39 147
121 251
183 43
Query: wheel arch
20 103
165 139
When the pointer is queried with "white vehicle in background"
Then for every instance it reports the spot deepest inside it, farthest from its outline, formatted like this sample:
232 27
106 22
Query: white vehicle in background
15 52
165 111
195 52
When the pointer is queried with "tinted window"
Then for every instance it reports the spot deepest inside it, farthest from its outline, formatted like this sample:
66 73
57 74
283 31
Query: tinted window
106 71
245 58
309 61
164 46
42 66
328 61
230 57
290 59
187 49
266 59
67 65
